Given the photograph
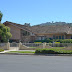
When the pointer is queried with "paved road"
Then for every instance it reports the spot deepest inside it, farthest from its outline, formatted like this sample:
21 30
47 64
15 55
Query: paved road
25 63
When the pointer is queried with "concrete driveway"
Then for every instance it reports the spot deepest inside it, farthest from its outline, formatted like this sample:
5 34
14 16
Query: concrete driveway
25 63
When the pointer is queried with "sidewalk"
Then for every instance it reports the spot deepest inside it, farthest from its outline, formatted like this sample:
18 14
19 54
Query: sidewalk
16 50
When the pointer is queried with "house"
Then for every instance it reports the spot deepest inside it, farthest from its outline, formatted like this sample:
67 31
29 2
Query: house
20 32
27 33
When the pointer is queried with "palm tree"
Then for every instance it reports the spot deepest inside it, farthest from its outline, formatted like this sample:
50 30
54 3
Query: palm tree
1 16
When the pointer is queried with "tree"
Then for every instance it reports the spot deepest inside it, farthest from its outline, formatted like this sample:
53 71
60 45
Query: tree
5 34
1 15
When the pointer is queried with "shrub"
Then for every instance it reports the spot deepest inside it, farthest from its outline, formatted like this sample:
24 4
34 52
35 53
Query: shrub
55 40
1 50
53 51
64 40
46 40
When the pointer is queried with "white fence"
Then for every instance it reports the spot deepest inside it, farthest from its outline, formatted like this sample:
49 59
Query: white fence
4 46
33 45
24 46
47 44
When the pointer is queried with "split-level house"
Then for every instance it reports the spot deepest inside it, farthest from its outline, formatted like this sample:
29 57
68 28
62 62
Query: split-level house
26 33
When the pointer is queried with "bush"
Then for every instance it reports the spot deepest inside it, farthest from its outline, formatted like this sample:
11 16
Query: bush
64 40
1 50
45 51
46 40
55 40
53 51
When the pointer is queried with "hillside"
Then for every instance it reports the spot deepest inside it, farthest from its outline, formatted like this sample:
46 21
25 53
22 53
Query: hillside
54 23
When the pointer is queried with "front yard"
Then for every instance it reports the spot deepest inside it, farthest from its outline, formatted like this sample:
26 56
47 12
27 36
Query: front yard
1 50
54 50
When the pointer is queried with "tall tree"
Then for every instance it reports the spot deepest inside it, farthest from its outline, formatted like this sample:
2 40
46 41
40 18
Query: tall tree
5 34
1 15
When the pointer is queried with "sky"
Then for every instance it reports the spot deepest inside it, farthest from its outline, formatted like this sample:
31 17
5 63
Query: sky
36 11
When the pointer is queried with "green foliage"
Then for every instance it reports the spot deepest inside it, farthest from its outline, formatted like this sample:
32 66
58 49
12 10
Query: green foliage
4 33
55 40
64 40
1 16
53 51
1 50
46 40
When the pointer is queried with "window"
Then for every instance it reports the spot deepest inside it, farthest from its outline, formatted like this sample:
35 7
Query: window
56 37
25 33
71 37
43 38
53 36
59 37
39 38
62 37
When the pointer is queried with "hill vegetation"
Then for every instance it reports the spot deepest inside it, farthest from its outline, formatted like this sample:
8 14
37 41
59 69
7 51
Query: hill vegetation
54 23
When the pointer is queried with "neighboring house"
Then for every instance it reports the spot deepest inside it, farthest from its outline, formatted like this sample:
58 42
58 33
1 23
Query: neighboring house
26 33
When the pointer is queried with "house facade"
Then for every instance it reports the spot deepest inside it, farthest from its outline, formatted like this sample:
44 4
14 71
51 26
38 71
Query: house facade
26 33
20 32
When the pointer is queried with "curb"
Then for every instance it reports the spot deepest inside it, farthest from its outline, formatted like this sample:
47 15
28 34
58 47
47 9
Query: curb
36 54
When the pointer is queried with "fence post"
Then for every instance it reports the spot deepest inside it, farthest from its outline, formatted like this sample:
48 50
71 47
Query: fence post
20 45
8 45
44 45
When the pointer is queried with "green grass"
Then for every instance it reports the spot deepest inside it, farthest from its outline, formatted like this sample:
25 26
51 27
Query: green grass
20 52
1 50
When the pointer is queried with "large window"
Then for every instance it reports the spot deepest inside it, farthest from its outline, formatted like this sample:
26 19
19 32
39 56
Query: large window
41 38
58 37
25 33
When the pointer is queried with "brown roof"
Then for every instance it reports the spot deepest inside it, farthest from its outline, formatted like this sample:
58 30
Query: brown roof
52 29
19 26
45 29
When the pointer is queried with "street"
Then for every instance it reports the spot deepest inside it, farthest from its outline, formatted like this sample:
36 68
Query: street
28 63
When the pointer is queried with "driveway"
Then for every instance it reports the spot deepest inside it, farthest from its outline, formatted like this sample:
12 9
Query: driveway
25 63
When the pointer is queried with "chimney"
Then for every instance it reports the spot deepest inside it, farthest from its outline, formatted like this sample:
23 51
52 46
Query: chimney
27 24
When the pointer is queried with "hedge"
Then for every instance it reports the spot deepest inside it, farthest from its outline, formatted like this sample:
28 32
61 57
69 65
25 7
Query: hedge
55 40
53 51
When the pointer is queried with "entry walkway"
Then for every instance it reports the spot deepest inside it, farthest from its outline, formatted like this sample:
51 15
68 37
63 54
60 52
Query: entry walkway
10 49
15 49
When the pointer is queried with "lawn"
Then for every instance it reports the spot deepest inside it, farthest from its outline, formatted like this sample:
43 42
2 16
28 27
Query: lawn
54 50
20 52
1 50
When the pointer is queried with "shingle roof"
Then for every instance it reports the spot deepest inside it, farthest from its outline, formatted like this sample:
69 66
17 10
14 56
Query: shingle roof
45 29
19 26
52 29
